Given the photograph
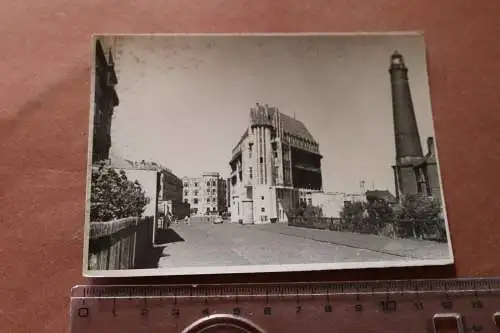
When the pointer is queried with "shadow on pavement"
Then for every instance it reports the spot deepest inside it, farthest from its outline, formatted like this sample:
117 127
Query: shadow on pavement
150 257
165 236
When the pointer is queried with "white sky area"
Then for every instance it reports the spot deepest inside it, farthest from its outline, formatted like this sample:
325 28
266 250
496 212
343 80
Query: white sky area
185 100
147 179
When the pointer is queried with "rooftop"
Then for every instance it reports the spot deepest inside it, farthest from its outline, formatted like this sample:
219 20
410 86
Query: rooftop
267 115
381 195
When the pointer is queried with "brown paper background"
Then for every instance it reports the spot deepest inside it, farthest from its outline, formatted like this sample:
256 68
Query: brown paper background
44 112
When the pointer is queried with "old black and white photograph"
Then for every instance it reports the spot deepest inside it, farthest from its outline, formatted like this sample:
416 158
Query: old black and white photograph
240 153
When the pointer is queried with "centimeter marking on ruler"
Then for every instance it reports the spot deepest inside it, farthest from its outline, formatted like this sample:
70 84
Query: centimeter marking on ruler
446 286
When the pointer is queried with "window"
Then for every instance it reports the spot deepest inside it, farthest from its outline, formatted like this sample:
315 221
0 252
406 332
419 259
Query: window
208 199
250 172
185 184
261 159
214 199
195 184
186 201
309 201
195 201
213 191
262 209
186 193
208 184
195 192
262 197
213 183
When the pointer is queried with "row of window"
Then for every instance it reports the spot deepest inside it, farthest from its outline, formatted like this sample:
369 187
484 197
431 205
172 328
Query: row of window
212 183
213 192
195 200
304 144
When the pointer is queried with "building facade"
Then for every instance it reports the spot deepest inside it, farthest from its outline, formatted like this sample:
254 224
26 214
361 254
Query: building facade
206 195
275 159
168 185
105 99
414 172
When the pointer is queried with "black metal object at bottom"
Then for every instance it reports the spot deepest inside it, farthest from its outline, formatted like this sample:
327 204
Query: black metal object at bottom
223 323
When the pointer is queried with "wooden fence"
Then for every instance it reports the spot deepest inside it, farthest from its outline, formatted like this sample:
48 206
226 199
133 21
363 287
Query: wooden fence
120 244
432 229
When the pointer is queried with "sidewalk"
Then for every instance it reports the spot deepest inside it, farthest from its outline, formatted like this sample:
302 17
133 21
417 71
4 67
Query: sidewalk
398 247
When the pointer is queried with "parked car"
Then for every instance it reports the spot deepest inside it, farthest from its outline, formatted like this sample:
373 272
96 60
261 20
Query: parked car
217 220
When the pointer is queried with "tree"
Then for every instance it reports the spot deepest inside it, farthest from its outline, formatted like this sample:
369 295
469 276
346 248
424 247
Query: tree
113 196
378 213
352 215
420 207
424 212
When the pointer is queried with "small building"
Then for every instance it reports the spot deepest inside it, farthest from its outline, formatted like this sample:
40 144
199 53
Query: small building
206 195
381 195
169 186
332 203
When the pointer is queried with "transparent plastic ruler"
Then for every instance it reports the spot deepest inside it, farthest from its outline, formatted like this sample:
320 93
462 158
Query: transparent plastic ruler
454 305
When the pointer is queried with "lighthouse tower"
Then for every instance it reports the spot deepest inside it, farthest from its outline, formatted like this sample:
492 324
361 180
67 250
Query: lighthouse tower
409 169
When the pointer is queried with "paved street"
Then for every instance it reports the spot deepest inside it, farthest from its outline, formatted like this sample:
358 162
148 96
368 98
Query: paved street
231 244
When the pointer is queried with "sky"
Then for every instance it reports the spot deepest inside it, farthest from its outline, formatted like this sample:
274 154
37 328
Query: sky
185 100
147 179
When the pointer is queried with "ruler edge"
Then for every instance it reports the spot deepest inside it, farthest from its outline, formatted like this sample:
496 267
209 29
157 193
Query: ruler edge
449 285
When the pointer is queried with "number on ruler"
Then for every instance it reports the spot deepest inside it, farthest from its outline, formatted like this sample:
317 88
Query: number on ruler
477 304
83 312
388 305
419 306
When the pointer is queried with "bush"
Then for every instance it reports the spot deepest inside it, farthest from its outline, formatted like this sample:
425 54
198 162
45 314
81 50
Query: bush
352 216
426 214
416 217
113 196
306 212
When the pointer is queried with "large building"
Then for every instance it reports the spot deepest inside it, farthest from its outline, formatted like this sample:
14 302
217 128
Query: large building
414 172
206 195
105 99
275 161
